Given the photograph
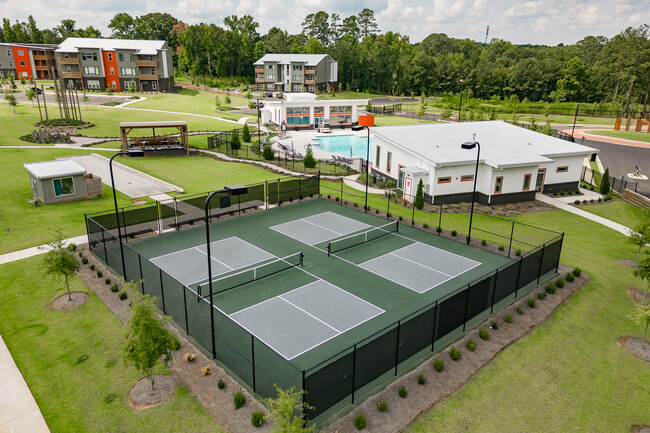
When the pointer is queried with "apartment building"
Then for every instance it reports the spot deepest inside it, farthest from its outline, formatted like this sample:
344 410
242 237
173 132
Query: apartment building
98 64
27 60
295 73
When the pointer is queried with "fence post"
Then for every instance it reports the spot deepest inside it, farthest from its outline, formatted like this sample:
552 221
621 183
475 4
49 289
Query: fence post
104 245
494 289
341 192
162 291
435 325
388 205
512 232
141 277
439 221
318 179
557 266
413 214
299 193
87 230
539 272
399 325
518 275
126 237
466 308
253 359
278 192
266 193
304 392
187 323
354 370
176 214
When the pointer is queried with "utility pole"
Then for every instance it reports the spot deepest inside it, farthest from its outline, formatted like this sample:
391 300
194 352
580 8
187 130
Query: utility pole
486 34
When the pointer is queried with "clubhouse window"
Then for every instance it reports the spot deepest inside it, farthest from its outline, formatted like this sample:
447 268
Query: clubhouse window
498 185
562 169
445 179
93 84
63 186
467 178
389 161
527 178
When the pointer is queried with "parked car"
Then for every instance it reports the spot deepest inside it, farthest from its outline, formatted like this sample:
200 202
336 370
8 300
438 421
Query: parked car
269 95
36 90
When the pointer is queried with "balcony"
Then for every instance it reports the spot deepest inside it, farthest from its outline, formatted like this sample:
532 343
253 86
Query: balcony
43 57
259 70
310 81
70 74
148 76
143 62
69 60
259 80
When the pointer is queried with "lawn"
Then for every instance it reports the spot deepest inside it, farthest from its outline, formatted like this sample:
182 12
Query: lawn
627 135
24 225
191 101
74 395
617 210
398 121
348 94
569 374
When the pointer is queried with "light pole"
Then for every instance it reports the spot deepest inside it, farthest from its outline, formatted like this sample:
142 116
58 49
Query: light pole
132 153
360 128
575 118
460 106
259 140
471 145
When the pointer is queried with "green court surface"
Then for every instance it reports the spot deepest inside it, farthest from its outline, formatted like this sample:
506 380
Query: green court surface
310 313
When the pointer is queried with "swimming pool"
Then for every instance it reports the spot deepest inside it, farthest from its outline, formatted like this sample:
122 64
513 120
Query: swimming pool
340 144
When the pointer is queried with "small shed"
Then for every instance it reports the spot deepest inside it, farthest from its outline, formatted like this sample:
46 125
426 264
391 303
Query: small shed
61 180
156 144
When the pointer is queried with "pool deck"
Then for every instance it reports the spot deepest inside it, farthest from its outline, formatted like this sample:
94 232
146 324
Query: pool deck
300 139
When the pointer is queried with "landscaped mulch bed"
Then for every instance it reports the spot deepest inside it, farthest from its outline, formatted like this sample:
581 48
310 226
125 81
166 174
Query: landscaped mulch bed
141 396
633 345
638 295
64 303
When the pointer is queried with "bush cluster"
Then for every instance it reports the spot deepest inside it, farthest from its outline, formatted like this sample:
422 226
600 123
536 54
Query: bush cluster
438 364
123 295
483 334
238 399
483 242
114 288
221 384
454 232
382 405
84 260
470 344
107 281
559 283
402 391
577 272
507 318
360 421
569 277
257 418
92 267
454 354
99 274
550 288
531 302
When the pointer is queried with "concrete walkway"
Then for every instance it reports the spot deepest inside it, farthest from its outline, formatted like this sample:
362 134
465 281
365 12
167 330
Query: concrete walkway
34 251
19 412
574 210
351 181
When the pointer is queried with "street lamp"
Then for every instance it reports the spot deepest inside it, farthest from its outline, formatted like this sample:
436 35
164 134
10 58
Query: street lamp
468 146
131 153
259 140
460 106
360 128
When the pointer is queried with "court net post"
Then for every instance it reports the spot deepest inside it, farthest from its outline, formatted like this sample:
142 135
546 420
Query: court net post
329 249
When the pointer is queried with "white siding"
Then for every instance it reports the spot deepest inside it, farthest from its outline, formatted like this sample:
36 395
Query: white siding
575 169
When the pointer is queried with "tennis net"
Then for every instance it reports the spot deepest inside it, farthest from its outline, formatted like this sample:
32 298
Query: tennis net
362 238
246 276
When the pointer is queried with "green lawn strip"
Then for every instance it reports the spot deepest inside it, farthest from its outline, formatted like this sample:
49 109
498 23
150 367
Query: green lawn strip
348 94
24 225
16 125
594 166
196 174
571 366
617 210
398 121
76 395
190 101
627 135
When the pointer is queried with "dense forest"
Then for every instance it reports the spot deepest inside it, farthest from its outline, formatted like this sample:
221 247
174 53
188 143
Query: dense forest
595 69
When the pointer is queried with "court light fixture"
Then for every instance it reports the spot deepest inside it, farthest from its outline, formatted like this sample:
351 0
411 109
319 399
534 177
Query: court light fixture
469 145
360 128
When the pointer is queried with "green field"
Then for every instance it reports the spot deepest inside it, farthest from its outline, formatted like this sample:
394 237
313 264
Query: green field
74 395
192 101
398 121
617 210
627 135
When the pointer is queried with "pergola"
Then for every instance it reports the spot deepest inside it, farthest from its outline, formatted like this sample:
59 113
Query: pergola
156 145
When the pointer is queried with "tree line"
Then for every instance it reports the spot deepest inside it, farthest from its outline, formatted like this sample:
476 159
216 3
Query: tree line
594 69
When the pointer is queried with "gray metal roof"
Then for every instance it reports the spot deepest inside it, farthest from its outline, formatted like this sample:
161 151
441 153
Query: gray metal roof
52 169
72 45
502 144
285 59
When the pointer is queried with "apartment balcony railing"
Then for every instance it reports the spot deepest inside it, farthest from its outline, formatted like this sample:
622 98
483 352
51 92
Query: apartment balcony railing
259 80
259 70
70 74
310 81
143 62
148 76
69 60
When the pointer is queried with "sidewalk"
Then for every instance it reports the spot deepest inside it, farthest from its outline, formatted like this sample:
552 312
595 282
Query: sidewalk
19 412
34 251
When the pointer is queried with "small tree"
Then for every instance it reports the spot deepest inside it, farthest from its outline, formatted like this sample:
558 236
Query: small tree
132 88
640 234
11 99
12 83
249 95
59 262
286 411
85 98
641 316
419 196
422 108
30 95
604 183
217 102
246 133
228 101
109 92
267 153
235 142
310 162
643 271
147 340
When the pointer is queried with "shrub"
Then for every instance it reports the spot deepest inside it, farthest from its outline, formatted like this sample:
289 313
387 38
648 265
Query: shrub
519 310
577 202
600 199
494 325
517 252
337 198
123 295
502 247
454 232
189 357
238 399
99 274
176 344
507 318
550 288
376 210
555 193
425 225
531 302
92 267
438 364
355 205
402 391
561 192
84 260
454 354
591 201
220 384
484 242
360 421
577 272
257 418
107 281
483 334
400 217
569 277
438 229
382 405
559 283
541 295
114 288
81 254
584 201
388 215
421 379
470 344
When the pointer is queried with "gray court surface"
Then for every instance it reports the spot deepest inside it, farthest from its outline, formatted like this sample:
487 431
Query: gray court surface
419 267
297 321
319 228
189 266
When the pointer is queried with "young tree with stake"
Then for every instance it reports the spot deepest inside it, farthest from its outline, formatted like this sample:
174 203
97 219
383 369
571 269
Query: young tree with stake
640 234
641 316
59 262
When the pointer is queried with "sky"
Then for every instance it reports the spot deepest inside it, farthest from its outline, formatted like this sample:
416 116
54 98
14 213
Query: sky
548 22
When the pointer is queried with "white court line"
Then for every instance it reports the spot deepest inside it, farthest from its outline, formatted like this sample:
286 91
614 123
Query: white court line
419 264
431 246
320 226
342 290
213 258
310 315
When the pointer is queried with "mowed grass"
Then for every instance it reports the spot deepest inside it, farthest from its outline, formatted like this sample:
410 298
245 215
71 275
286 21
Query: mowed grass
617 210
627 135
23 225
569 374
398 121
190 101
75 395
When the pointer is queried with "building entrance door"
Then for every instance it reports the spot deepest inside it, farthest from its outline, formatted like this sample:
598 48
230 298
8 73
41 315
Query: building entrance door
539 184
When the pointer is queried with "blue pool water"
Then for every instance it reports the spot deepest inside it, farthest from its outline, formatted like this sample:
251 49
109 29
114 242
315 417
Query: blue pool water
340 144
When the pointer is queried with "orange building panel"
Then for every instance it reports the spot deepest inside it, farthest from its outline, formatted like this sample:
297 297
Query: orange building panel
110 61
25 66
